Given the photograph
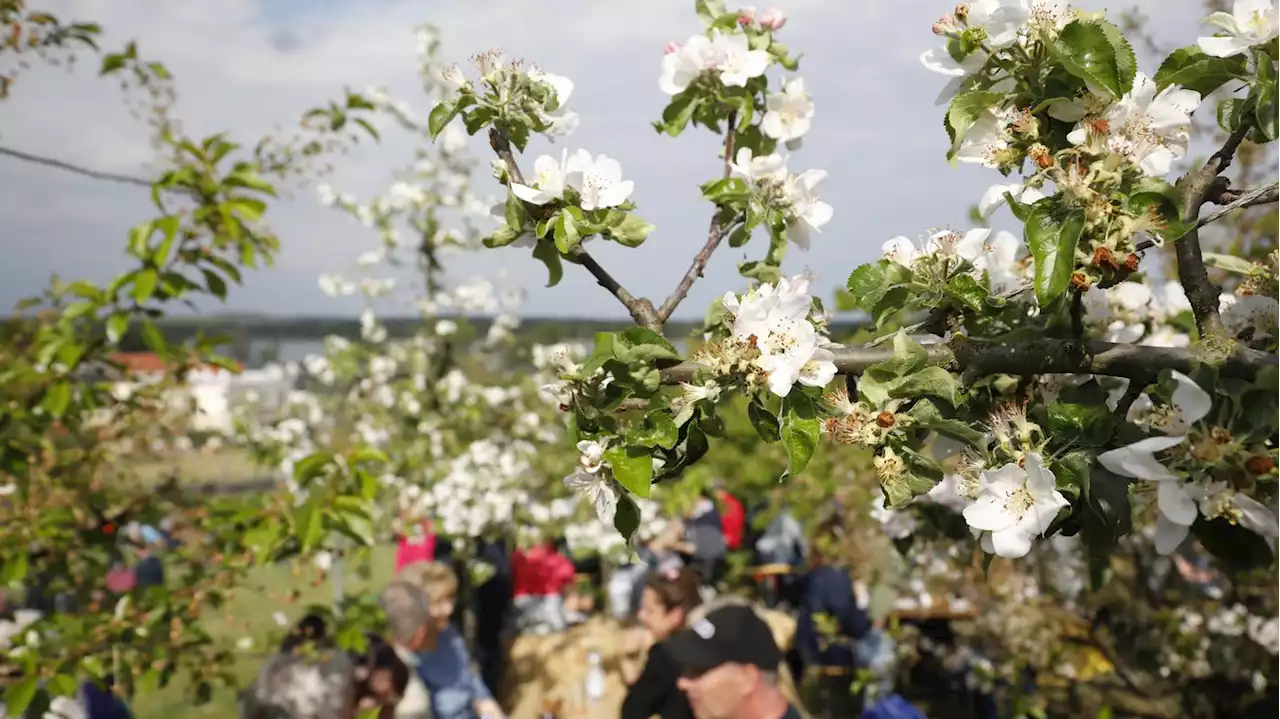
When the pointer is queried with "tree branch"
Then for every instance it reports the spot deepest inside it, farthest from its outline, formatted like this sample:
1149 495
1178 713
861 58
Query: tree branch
715 235
1196 190
76 169
1234 200
641 309
1044 356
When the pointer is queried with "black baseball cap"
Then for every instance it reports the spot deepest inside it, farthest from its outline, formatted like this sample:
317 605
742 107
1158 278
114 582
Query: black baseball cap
730 634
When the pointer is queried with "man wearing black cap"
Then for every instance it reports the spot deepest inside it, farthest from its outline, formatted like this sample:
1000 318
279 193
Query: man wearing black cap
729 664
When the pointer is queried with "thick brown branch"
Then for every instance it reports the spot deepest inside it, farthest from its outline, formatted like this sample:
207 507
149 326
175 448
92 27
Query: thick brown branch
981 358
641 309
1196 189
715 235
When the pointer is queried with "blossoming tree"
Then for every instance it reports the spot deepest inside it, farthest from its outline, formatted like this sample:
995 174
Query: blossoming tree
1060 423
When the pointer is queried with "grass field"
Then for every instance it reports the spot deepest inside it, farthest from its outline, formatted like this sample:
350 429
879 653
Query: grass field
250 614
228 465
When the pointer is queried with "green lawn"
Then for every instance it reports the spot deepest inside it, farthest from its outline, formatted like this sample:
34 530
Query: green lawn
251 615
225 466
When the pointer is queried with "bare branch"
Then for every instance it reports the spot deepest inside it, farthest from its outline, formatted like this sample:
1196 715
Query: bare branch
1045 356
75 169
1131 394
715 235
641 309
1196 189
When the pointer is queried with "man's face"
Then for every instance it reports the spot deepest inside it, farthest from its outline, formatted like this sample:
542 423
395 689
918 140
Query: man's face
717 693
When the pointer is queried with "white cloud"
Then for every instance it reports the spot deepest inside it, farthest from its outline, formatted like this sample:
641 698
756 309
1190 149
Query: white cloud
248 66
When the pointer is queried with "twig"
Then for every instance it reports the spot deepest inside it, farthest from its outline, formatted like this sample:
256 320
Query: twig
641 309
1196 188
74 169
982 358
715 235
1131 395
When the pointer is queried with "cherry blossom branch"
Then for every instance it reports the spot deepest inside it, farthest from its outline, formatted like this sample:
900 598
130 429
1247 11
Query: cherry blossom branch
641 309
715 235
1044 356
1202 293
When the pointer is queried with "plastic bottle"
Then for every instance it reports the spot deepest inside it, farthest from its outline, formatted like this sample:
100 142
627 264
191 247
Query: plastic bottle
595 683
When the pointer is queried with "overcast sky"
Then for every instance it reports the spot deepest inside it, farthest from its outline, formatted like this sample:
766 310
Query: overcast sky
246 66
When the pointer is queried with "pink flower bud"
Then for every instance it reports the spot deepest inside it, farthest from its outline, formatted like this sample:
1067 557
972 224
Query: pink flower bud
962 10
670 47
746 15
773 19
945 25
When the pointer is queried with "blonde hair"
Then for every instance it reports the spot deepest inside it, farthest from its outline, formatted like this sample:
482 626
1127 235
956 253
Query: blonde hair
437 579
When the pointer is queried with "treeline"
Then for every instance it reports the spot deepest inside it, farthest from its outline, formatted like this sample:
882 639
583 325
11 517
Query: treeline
239 331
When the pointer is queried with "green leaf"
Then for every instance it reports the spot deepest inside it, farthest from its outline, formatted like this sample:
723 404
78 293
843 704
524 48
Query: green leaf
502 237
14 569
152 336
217 286
440 116
930 381
677 114
1267 109
799 431
1192 69
566 233
144 285
550 256
764 421
1231 111
926 414
631 231
1126 61
17 697
1071 472
1155 195
870 283
709 10
308 524
1052 233
1084 50
967 292
57 398
1090 424
117 325
627 518
640 344
964 110
311 466
659 430
1230 263
517 215
726 188
632 467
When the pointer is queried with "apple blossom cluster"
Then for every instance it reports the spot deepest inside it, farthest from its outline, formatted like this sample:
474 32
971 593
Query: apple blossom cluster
1213 643
1200 466
513 97
980 252
772 188
775 340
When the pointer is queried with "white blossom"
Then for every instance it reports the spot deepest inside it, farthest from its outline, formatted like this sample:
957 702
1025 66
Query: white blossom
1250 23
1015 504
788 114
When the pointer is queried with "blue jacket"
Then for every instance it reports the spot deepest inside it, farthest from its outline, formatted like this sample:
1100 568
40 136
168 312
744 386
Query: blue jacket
446 671
829 590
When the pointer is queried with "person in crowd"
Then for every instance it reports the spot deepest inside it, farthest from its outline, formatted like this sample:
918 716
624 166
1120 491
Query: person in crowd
834 635
668 598
539 577
492 604
417 544
704 537
730 667
457 692
733 519
783 542
149 571
325 683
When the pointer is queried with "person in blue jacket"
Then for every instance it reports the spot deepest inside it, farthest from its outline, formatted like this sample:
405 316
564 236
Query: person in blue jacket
829 625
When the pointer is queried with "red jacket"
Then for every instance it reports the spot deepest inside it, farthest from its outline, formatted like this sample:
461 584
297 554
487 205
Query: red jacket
540 571
733 520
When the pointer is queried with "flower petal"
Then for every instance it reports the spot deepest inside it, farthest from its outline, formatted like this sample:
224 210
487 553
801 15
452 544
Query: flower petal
1138 460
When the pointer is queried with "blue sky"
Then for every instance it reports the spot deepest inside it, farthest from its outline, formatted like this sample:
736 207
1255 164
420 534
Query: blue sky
246 66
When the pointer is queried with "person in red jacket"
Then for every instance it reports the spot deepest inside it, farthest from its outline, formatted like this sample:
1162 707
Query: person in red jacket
539 576
733 519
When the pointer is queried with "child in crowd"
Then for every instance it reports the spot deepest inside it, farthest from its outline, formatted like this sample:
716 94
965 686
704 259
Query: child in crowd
457 692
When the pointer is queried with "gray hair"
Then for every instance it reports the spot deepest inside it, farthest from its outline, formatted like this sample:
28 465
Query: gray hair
408 609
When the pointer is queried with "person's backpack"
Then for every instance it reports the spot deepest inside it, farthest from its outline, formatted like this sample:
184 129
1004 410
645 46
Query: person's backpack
892 707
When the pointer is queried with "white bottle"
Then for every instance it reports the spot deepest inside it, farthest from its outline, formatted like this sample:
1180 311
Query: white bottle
595 677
